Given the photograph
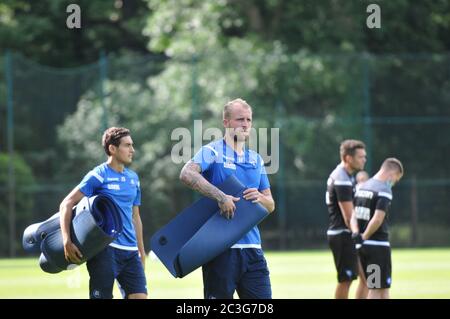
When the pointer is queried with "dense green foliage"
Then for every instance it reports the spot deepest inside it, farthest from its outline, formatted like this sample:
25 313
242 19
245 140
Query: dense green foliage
312 68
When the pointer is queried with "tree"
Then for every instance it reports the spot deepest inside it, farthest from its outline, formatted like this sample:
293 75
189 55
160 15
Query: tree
38 30
201 74
23 200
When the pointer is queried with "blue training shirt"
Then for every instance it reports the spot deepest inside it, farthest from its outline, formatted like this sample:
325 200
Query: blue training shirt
125 189
218 161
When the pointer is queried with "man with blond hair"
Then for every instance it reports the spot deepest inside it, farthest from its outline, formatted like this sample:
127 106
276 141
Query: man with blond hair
370 228
242 267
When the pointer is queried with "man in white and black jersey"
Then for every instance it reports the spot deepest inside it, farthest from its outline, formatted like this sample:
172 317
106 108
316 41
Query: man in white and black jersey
370 228
339 199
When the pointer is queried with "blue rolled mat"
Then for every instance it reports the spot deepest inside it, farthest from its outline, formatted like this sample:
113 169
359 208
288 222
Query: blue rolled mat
35 233
96 224
92 229
199 233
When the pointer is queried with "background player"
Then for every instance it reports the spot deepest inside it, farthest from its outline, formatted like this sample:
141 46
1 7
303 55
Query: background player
339 199
370 228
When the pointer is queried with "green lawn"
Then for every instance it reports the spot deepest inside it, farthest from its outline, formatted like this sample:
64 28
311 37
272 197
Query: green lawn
418 273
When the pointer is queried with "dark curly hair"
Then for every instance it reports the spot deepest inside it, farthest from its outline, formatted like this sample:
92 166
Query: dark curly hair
112 136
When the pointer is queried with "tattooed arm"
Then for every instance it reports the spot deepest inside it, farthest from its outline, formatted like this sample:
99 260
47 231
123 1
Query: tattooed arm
190 175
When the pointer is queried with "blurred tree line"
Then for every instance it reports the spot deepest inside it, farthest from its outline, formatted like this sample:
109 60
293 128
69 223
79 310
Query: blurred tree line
171 61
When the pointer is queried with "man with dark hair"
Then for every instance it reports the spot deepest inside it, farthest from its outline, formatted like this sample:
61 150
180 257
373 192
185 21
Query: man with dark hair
370 229
123 259
339 199
242 267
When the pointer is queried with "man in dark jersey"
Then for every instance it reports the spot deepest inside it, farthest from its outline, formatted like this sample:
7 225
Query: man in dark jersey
339 199
370 228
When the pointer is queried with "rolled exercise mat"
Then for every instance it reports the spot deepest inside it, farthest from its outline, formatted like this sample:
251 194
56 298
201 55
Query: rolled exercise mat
199 233
93 228
34 234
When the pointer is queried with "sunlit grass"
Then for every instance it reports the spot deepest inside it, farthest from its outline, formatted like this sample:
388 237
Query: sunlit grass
417 273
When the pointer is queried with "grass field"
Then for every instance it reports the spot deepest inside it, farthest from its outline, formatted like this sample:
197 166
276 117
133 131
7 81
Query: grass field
417 273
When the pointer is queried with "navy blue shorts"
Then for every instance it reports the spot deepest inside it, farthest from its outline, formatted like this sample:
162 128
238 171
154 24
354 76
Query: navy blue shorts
110 264
242 270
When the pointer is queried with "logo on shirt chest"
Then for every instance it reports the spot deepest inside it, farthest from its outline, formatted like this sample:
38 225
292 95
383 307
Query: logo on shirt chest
115 187
229 165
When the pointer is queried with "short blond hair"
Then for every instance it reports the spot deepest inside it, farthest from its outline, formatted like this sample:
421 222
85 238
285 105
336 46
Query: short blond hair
393 164
227 107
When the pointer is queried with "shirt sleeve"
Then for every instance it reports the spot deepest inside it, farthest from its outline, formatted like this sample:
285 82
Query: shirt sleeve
383 204
91 182
264 182
205 157
344 193
137 199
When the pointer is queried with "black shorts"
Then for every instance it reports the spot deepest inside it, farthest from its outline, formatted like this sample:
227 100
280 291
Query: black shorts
345 256
377 265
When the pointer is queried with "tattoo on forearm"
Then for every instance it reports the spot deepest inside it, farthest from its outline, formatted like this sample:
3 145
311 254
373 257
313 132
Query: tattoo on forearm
191 177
